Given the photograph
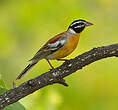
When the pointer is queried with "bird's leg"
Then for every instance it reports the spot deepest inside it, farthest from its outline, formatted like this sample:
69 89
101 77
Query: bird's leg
14 84
60 80
51 65
62 59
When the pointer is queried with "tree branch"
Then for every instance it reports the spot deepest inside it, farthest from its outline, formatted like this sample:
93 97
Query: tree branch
50 77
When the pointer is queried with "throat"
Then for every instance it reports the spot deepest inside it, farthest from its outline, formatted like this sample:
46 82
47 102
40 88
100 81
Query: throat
71 31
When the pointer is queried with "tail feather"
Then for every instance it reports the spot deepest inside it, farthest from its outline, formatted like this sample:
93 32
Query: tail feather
25 71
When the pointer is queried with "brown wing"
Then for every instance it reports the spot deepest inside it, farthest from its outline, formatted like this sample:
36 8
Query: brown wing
46 49
55 38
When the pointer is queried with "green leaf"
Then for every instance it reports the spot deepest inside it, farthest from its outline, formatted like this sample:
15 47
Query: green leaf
15 106
2 90
2 84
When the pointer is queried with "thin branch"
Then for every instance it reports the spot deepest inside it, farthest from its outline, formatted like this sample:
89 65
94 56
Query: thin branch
50 77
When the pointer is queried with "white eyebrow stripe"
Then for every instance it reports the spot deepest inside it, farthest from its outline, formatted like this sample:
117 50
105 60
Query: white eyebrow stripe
77 22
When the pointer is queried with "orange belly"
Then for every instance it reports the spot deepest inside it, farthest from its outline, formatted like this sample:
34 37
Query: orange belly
68 48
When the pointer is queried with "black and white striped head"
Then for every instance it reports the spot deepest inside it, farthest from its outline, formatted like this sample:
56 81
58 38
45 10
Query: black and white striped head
78 25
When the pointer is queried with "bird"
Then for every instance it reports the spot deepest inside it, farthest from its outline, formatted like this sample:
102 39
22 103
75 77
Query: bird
59 46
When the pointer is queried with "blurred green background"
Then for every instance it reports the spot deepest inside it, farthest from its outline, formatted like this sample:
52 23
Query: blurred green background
25 25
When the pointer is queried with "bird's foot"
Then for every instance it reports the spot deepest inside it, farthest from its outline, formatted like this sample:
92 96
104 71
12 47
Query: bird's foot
62 59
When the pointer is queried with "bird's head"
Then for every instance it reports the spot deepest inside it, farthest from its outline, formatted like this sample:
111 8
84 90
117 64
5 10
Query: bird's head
79 25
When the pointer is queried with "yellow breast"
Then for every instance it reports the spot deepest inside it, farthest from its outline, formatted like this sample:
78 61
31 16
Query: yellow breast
68 48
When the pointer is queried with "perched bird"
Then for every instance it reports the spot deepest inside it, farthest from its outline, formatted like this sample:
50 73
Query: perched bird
59 46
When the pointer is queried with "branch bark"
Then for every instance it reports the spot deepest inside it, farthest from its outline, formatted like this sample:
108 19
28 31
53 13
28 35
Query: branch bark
50 77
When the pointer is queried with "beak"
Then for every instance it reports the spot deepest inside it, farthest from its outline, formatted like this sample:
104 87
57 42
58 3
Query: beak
89 24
